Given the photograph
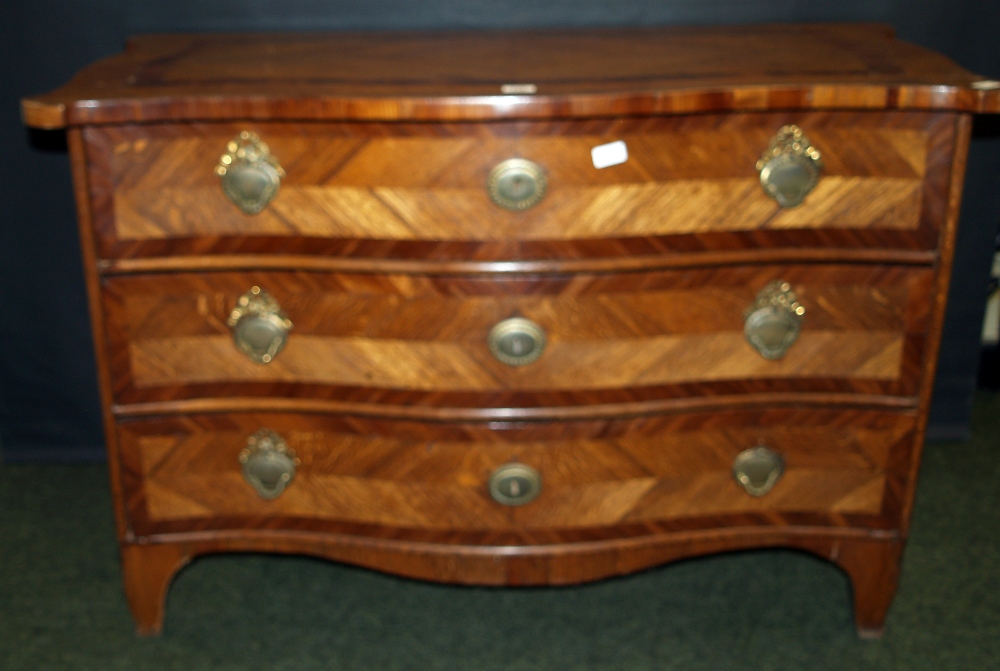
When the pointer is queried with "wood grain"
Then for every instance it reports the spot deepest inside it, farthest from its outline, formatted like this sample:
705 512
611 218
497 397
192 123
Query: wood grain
870 560
147 571
624 71
690 178
433 188
429 334
511 268
873 566
393 265
447 366
392 213
184 472
88 248
956 174
561 408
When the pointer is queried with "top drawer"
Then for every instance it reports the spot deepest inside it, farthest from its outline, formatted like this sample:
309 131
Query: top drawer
409 190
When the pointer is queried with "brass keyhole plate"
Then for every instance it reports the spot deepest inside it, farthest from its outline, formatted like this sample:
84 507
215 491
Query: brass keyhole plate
517 184
515 484
516 341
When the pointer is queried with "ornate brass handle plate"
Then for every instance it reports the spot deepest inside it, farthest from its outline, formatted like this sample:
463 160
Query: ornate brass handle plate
515 484
260 329
516 341
772 323
790 167
758 469
250 175
268 463
517 184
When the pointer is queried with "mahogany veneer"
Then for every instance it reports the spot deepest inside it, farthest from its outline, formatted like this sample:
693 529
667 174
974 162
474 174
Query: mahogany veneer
385 252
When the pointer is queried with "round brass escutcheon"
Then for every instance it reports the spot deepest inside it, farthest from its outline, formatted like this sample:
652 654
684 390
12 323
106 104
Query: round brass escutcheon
515 484
260 329
789 168
516 341
517 184
758 469
268 463
772 324
250 175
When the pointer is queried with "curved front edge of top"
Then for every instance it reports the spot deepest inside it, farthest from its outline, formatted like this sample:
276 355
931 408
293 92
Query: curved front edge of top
51 113
43 115
546 73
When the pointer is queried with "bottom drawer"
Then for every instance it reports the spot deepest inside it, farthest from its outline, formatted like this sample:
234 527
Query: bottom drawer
598 479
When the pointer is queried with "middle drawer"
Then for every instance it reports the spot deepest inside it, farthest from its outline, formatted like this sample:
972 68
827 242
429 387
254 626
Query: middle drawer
400 338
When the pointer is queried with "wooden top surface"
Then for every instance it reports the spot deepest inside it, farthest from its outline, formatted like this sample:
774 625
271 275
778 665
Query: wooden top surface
465 75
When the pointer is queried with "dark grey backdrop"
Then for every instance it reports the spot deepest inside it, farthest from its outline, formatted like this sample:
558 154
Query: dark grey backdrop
48 396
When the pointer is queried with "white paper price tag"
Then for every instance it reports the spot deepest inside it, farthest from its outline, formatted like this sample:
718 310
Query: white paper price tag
607 155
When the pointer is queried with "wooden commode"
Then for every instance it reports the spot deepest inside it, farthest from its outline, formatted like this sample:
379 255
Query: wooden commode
517 308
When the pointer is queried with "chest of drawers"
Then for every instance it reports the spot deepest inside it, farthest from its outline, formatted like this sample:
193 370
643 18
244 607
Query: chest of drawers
516 309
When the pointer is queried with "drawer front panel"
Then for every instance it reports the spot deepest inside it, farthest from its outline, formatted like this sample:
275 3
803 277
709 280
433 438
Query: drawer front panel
413 187
863 327
840 467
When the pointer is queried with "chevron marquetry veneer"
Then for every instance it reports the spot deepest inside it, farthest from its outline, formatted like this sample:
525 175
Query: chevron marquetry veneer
373 298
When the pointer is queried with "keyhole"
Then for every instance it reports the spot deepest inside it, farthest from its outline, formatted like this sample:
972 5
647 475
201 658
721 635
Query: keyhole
517 186
520 187
514 485
516 341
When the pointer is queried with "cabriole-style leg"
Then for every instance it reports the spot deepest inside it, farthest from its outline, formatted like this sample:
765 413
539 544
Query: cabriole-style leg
148 570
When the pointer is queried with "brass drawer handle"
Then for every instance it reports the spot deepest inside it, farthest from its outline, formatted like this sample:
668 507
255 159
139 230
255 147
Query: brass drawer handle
758 469
772 323
516 341
515 484
517 184
268 463
250 175
790 167
260 328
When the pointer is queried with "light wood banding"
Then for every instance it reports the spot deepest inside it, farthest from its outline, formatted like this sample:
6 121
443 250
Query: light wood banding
385 252
398 183
429 334
447 366
407 475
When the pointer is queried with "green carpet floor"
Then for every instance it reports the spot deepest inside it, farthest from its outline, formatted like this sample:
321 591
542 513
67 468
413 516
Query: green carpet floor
62 607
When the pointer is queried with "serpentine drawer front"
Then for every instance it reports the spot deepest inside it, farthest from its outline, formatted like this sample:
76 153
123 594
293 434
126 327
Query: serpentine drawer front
359 336
626 297
186 472
413 182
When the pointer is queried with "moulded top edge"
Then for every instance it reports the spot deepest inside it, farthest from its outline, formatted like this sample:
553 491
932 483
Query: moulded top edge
495 75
